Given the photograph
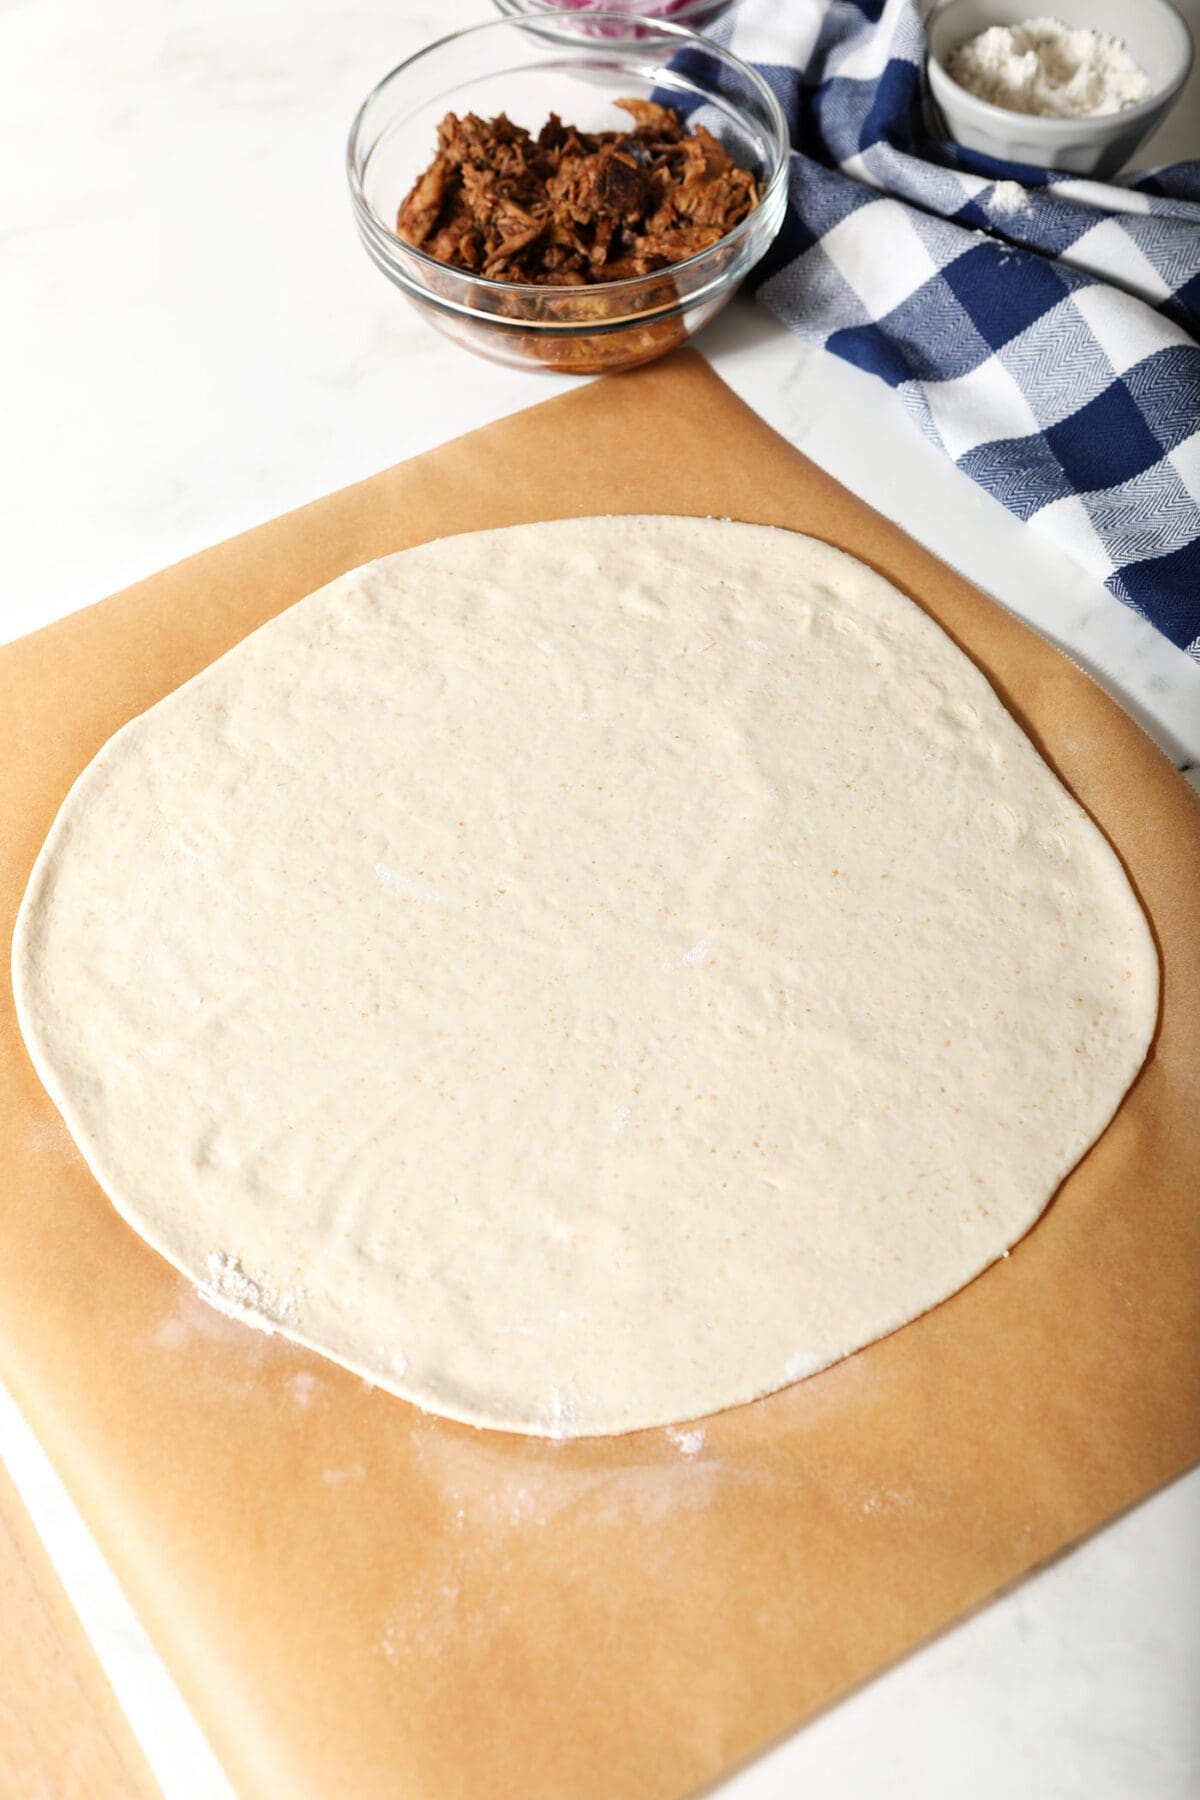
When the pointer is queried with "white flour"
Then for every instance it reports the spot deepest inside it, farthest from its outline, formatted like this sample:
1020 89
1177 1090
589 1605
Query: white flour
1009 199
1043 66
690 1443
239 1295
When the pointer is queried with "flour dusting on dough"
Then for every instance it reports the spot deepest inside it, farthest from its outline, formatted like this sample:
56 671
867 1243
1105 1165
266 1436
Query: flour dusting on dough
558 1414
241 1296
403 884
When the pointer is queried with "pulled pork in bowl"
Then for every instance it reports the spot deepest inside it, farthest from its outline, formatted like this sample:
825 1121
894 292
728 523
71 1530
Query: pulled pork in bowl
579 247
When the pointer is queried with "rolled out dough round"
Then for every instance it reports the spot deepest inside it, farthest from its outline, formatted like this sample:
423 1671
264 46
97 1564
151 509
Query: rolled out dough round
586 975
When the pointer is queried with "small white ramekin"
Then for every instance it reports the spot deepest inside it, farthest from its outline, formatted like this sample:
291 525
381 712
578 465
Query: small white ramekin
1155 36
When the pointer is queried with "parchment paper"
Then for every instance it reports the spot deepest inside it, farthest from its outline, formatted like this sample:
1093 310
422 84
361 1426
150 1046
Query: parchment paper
361 1600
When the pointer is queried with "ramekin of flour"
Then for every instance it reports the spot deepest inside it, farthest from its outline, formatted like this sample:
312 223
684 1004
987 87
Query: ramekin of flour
1070 84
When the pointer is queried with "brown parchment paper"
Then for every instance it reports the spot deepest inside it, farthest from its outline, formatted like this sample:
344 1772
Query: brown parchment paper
361 1600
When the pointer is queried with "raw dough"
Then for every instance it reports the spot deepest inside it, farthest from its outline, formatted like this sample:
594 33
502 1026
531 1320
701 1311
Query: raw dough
585 975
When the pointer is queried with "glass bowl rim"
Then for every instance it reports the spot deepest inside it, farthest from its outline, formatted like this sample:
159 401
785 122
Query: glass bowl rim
779 144
549 6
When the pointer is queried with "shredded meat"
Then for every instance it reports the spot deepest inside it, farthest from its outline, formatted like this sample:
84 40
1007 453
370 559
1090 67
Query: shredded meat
571 208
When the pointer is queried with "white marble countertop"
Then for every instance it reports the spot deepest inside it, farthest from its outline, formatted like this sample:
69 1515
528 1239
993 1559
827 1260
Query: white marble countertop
193 342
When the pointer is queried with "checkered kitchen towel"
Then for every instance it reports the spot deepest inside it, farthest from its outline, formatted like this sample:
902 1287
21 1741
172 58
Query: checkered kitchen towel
1040 328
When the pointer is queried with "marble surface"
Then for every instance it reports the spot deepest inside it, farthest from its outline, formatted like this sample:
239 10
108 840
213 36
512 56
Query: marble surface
193 341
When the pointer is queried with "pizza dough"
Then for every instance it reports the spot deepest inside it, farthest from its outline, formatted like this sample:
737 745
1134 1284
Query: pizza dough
586 975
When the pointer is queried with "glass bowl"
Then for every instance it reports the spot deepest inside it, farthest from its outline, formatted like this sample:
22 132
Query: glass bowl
697 15
515 67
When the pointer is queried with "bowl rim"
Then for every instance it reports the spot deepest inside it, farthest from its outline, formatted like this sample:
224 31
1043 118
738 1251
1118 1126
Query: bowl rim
629 12
630 284
1052 127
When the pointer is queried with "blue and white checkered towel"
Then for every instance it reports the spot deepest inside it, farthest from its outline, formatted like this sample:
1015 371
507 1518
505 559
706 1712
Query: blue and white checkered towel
1040 328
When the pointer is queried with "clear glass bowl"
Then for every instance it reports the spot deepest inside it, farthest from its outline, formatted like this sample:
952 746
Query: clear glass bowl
697 15
515 67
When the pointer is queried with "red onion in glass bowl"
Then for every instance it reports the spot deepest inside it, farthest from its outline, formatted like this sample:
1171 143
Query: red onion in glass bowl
697 15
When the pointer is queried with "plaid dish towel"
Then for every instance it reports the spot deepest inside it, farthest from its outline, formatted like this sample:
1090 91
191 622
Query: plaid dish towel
1040 328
